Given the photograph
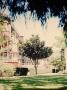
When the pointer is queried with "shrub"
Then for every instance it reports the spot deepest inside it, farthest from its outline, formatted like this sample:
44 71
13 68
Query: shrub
6 69
58 64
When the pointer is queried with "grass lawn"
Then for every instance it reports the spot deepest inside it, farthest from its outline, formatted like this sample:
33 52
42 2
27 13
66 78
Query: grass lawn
34 83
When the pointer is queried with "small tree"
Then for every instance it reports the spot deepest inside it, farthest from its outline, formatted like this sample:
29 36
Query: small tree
35 50
58 64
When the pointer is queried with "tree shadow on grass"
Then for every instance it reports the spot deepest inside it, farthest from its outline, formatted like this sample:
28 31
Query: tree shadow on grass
5 81
17 87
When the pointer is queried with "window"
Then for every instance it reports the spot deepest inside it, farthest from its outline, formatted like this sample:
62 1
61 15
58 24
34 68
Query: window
5 54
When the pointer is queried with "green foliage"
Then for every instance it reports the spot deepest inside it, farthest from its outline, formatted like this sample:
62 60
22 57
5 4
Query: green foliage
1 35
35 49
1 28
38 8
2 19
58 64
65 33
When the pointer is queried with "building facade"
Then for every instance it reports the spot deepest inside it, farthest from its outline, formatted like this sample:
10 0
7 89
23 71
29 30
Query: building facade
9 52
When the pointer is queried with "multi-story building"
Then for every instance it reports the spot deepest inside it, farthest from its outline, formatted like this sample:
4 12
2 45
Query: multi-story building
9 52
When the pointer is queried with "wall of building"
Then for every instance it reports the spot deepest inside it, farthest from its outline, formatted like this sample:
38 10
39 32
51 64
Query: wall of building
8 49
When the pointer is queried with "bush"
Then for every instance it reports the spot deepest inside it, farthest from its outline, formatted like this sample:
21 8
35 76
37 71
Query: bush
6 70
58 64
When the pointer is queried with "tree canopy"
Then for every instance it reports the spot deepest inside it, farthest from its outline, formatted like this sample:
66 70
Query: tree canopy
39 7
35 49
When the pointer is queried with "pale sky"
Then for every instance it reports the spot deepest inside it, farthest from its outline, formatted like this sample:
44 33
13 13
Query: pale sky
49 33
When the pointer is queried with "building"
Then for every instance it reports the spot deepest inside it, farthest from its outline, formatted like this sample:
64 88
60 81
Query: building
9 52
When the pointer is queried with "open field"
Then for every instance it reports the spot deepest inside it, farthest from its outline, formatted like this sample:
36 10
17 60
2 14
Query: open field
56 82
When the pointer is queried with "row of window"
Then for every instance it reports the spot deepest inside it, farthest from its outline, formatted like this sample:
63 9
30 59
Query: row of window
7 54
5 44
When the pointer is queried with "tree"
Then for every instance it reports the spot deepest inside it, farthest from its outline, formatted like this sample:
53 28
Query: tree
65 51
58 64
2 38
35 50
57 7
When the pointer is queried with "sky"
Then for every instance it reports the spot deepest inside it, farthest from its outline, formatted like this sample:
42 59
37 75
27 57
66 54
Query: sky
51 33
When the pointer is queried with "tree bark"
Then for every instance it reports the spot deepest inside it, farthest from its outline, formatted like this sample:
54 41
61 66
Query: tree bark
35 66
35 69
65 56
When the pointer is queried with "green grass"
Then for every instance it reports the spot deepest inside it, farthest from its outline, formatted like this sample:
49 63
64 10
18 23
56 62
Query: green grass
35 83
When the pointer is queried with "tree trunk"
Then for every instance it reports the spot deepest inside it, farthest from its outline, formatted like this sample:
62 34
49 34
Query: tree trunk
65 56
35 66
35 69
